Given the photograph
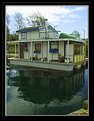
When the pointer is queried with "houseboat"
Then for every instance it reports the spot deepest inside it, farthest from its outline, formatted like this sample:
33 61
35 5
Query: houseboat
41 47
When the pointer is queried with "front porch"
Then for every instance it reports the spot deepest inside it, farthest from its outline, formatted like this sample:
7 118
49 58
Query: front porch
52 50
58 54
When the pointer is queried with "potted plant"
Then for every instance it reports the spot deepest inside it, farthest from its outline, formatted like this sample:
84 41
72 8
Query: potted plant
60 58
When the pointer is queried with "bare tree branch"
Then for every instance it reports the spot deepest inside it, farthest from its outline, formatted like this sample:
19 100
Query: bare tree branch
19 20
36 19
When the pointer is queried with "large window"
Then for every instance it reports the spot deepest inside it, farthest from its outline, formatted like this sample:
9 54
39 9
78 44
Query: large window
37 47
25 46
81 49
54 47
23 35
78 49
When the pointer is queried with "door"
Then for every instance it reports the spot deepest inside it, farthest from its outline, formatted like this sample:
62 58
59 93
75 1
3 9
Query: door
21 50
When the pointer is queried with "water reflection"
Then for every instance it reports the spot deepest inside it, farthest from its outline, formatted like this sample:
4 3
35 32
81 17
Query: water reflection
41 86
57 92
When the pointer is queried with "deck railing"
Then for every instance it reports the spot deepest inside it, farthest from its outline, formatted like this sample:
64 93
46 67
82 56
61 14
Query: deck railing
78 58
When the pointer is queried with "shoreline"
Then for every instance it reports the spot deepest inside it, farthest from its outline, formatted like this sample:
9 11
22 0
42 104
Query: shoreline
81 112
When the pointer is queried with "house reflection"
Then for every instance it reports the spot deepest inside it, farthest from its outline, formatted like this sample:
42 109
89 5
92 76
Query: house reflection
41 87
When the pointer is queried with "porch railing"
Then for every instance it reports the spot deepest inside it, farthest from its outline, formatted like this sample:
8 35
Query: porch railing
78 58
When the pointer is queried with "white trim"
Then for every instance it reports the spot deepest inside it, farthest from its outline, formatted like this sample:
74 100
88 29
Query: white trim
52 39
30 51
68 52
48 51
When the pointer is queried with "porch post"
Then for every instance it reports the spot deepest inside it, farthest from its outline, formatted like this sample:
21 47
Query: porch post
15 49
48 50
68 51
19 50
83 52
42 49
31 51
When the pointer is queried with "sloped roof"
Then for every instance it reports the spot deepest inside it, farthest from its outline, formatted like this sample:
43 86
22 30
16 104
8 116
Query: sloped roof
50 27
28 29
35 28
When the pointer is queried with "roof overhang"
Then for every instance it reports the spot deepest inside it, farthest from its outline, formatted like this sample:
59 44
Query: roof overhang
46 40
14 42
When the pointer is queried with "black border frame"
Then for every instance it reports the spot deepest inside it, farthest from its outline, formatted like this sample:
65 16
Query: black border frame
91 113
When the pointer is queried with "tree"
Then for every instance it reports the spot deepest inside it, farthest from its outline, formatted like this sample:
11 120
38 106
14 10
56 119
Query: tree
76 34
19 21
7 27
7 34
7 20
13 37
36 20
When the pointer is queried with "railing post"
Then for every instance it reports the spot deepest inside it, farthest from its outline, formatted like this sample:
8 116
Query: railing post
19 50
68 51
15 49
48 50
31 51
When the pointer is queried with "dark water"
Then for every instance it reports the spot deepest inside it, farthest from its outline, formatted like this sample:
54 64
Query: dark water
38 92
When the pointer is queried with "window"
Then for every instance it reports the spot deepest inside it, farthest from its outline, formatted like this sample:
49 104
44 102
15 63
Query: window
81 49
25 46
37 48
76 49
54 47
23 35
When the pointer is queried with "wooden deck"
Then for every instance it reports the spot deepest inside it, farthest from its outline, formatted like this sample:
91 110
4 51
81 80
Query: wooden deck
80 112
43 64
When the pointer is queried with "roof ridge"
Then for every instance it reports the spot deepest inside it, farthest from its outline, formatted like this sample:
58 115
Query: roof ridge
34 27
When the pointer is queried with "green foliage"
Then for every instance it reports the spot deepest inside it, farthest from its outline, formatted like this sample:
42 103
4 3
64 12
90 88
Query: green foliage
11 48
8 37
76 34
64 35
12 37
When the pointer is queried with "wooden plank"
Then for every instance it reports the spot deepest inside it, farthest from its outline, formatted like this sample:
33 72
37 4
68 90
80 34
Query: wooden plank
44 65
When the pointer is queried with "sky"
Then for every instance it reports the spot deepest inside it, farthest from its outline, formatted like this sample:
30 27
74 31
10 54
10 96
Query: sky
65 18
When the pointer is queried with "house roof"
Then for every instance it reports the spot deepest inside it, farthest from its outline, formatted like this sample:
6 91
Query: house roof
28 29
35 28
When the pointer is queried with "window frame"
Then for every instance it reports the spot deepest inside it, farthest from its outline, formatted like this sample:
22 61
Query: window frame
23 36
54 47
76 49
52 43
37 47
25 46
81 50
